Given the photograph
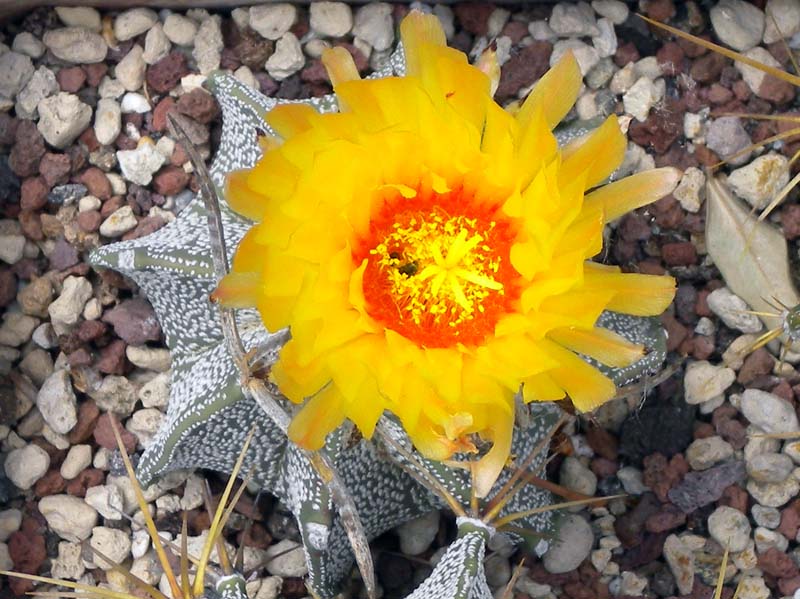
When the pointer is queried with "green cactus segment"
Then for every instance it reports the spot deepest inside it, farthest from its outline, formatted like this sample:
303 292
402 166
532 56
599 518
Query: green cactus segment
460 573
229 587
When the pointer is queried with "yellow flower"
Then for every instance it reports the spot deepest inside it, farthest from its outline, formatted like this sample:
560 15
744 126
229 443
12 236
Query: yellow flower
430 252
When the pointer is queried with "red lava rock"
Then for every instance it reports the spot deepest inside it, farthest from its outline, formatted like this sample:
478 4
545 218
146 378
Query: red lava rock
602 442
788 586
256 536
91 477
134 321
95 73
89 139
112 358
31 225
179 156
63 255
27 550
676 332
474 16
682 253
708 68
50 484
670 58
661 475
55 169
167 72
104 434
776 563
702 347
758 363
80 357
96 182
147 225
523 69
659 10
199 105
790 221
734 432
717 94
626 53
89 220
668 212
249 48
790 520
33 193
159 122
776 91
667 518
71 79
703 430
515 30
8 287
603 467
110 206
88 413
89 330
170 180
660 129
630 526
736 497
27 151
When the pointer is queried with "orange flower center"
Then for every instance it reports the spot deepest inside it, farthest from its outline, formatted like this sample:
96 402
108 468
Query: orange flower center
438 269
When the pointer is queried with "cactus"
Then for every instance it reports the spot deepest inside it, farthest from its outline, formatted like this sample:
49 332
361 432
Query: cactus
209 417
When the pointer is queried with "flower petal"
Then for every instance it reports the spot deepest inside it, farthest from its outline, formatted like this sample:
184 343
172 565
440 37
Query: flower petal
554 94
627 194
318 417
596 156
603 345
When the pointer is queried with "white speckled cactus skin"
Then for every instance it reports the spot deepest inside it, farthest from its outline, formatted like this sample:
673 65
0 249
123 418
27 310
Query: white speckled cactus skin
208 415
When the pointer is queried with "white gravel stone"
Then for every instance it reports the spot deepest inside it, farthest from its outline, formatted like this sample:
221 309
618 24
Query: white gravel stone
733 311
156 44
273 21
245 75
130 70
155 393
57 403
730 528
144 424
737 23
12 248
761 180
76 45
752 76
693 125
132 22
41 85
25 43
66 309
62 118
26 465
69 563
773 494
10 521
79 457
133 102
770 467
16 329
373 24
289 559
208 45
107 121
606 42
690 192
614 10
115 394
139 165
112 543
573 20
37 365
180 30
640 98
149 358
417 534
573 545
15 71
585 54
118 222
330 19
110 88
786 13
80 16
765 539
704 381
704 453
287 58
147 568
107 500
770 413
577 477
767 517
792 449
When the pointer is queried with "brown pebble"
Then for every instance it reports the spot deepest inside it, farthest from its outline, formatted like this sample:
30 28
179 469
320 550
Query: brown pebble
104 434
88 413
